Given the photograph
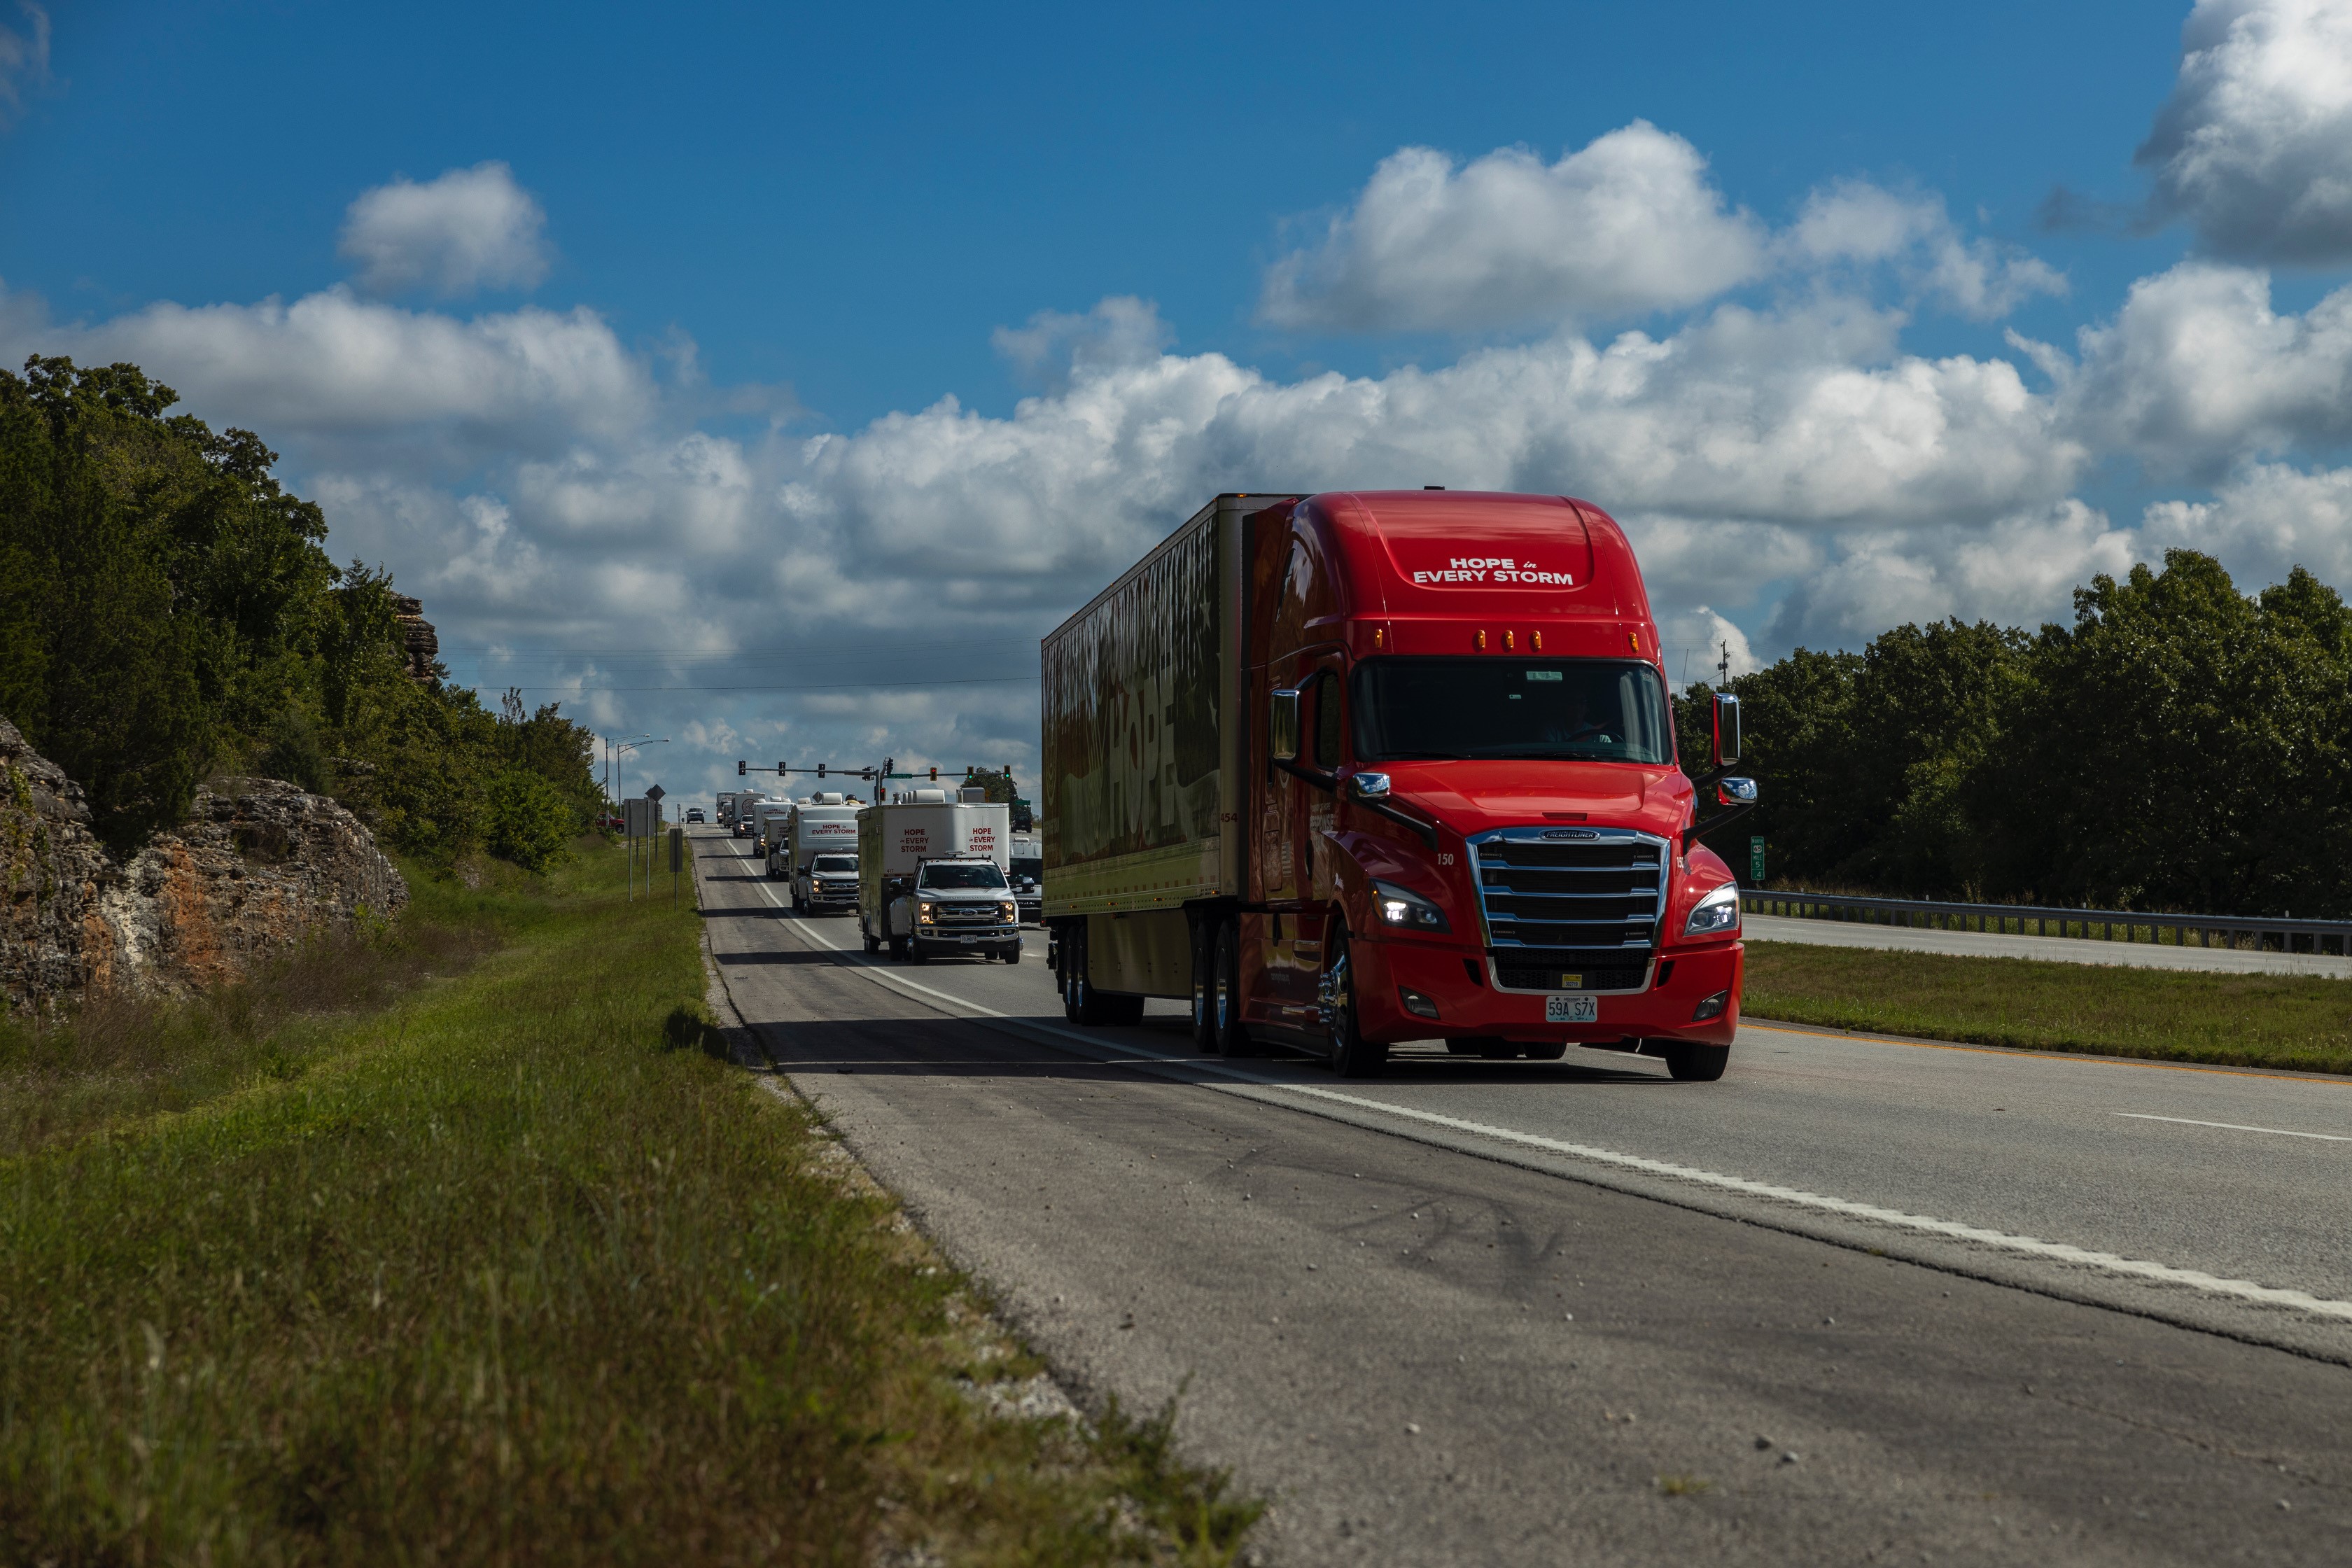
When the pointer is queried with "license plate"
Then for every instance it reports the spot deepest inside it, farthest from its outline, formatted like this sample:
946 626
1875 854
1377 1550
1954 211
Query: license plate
1572 1009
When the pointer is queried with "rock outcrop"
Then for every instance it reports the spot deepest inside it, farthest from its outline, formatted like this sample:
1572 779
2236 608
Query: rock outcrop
53 871
259 866
418 639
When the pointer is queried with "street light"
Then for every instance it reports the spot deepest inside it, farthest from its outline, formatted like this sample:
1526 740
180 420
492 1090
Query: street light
623 750
610 741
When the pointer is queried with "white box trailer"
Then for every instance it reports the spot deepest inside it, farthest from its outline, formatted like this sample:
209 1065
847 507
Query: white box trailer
767 820
747 805
822 826
931 877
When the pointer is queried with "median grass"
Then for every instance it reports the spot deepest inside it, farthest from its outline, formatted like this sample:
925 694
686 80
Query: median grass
2235 1020
459 1243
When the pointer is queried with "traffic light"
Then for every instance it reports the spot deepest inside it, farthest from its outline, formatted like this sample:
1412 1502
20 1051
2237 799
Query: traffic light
820 770
779 769
935 775
739 768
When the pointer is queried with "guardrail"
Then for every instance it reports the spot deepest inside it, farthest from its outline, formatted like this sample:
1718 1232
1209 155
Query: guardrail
2095 925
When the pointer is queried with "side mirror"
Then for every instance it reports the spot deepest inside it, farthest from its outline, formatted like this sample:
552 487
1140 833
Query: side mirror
1282 725
1369 786
1734 792
1727 728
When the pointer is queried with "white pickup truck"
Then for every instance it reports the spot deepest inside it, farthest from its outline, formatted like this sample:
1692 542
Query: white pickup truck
930 876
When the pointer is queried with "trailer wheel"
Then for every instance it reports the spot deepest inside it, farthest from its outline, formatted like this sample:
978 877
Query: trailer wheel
1696 1063
1233 1037
1350 1055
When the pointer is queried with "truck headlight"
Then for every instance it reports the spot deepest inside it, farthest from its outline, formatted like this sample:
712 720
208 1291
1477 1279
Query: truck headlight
1397 907
1715 914
927 913
1007 910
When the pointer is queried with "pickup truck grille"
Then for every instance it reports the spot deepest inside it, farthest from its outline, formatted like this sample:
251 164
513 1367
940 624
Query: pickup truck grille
1570 909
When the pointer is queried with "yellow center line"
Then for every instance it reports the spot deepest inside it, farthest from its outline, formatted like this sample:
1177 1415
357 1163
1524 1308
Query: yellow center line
2335 1080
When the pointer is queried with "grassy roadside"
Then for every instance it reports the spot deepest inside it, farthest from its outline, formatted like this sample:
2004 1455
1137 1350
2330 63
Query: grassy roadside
490 1260
2233 1020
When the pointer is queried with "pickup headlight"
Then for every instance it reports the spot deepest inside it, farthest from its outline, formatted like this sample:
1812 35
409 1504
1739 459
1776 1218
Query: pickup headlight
1008 911
1397 907
1715 914
926 911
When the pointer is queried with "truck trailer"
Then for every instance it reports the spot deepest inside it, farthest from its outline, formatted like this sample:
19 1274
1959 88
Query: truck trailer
930 876
1361 768
819 854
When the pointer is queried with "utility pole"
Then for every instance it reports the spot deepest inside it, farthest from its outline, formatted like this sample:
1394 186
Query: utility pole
1723 666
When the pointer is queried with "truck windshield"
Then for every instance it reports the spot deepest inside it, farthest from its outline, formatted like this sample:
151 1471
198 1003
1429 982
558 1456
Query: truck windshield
961 874
836 865
1581 710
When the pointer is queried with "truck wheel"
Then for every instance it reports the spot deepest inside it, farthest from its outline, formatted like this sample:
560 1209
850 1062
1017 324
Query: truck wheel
897 946
917 951
1350 1055
1233 1037
1696 1064
1548 1053
1010 954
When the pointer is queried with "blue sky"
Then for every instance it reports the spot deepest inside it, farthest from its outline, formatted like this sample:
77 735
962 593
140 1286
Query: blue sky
635 360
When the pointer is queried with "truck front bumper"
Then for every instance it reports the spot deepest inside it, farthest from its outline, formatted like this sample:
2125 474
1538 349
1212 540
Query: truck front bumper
967 936
1399 983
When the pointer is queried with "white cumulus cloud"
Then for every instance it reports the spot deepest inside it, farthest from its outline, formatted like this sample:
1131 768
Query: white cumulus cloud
2198 370
468 230
1626 225
24 58
2263 522
2254 146
1855 221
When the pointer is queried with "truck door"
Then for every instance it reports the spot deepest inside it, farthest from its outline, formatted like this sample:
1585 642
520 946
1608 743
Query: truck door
1297 884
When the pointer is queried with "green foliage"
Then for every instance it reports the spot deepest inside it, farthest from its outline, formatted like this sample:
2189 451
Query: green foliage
2180 746
528 821
168 613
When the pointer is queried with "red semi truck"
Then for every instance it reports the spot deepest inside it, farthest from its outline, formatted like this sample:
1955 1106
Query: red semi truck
1358 768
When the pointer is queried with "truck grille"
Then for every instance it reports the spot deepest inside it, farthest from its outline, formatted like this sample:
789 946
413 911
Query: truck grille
1570 909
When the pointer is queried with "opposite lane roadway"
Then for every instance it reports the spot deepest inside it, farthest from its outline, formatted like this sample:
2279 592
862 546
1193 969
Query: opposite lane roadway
1997 1306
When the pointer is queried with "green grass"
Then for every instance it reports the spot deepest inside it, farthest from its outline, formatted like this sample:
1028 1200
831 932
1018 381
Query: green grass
468 1248
2236 1020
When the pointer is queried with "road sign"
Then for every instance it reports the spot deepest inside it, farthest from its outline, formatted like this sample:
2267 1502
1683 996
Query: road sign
640 818
1756 861
654 791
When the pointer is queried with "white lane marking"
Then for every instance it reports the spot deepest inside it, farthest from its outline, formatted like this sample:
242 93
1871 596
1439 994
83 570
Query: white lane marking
2236 1127
1925 1224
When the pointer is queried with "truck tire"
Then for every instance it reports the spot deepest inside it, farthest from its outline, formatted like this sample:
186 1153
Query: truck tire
866 933
1084 1003
1233 1037
1010 953
1550 1052
1350 1054
1688 1063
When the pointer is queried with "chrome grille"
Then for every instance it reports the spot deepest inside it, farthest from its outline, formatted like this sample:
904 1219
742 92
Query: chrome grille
1569 908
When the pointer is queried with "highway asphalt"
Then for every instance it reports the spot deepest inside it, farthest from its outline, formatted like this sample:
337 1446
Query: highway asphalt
1863 1300
2052 948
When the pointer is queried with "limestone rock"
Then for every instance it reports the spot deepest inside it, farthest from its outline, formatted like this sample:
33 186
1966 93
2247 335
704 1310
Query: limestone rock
258 865
53 871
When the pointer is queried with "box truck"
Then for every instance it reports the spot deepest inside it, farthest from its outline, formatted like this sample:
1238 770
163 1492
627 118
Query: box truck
1361 768
747 807
930 876
1027 871
818 854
